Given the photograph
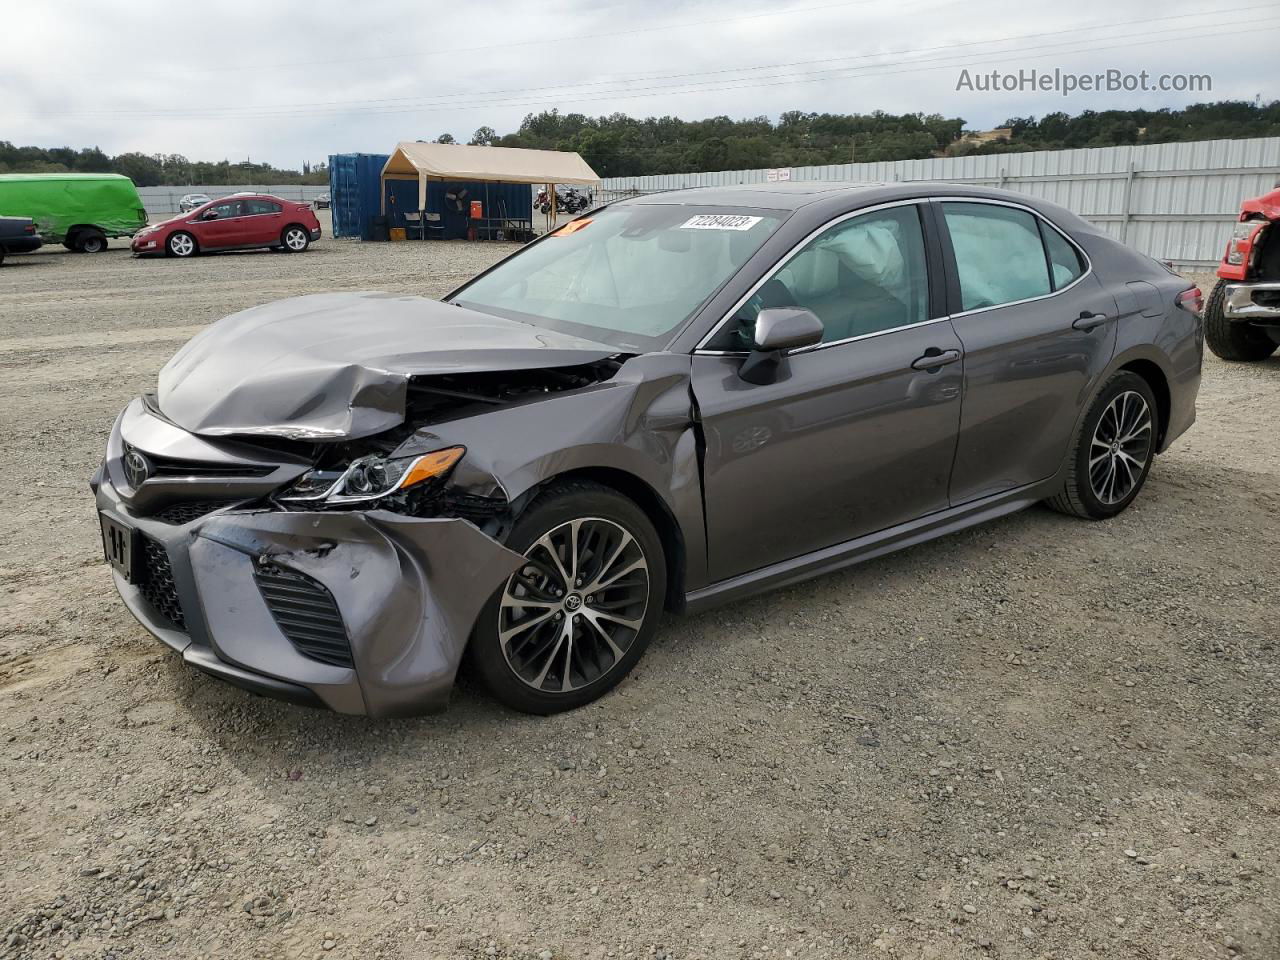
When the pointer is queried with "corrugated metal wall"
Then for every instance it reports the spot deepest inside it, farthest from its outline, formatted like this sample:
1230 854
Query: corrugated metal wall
164 200
1173 201
355 187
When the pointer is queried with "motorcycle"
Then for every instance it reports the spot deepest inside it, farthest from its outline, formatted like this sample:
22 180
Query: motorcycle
569 200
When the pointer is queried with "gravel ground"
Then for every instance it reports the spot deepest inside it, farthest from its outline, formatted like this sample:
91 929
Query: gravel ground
1039 738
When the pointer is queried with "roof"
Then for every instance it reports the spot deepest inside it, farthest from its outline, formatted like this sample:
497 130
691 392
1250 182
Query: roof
451 161
830 197
10 177
787 195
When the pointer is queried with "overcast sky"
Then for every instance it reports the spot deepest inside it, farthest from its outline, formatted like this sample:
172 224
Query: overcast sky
292 81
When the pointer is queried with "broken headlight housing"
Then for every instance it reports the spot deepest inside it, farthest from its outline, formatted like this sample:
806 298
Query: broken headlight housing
370 478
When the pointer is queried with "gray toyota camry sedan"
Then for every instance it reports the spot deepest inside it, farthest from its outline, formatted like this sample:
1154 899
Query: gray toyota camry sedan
668 403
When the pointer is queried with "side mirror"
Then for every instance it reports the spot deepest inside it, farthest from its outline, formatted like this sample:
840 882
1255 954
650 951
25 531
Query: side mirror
778 329
209 215
786 328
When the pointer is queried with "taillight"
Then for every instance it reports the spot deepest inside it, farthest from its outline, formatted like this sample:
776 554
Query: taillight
29 228
1191 300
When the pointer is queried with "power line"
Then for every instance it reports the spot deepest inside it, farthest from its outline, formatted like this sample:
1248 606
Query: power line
445 101
725 85
544 40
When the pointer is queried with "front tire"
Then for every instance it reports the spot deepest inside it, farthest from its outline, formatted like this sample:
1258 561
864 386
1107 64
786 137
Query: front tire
1112 450
181 244
1232 339
571 623
294 239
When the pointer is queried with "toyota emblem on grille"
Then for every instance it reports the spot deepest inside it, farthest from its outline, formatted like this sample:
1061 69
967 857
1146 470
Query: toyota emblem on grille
137 468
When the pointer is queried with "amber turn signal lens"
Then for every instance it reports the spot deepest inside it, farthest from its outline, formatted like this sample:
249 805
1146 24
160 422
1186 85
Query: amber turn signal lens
573 226
431 465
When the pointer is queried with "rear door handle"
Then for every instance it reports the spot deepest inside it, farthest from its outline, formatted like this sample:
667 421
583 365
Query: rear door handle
934 358
1087 320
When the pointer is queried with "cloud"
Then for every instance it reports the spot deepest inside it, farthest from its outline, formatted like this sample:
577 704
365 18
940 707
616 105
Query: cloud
287 82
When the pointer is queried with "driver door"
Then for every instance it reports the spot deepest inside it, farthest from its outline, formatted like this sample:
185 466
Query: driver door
224 229
857 433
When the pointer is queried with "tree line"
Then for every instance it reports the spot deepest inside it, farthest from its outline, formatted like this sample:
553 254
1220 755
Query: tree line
618 145
151 170
622 146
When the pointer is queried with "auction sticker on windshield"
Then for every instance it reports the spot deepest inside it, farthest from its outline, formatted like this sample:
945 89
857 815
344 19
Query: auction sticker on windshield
720 221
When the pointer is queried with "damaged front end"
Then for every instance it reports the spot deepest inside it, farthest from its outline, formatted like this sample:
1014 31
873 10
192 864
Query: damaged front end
340 608
315 559
1250 267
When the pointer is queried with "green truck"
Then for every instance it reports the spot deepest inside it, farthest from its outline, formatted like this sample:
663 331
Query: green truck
78 210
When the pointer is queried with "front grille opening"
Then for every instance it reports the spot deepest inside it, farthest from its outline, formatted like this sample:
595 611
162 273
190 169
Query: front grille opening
180 513
157 586
306 613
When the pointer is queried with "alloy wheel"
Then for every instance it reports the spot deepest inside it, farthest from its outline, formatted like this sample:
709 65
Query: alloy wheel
569 615
1120 448
295 239
182 245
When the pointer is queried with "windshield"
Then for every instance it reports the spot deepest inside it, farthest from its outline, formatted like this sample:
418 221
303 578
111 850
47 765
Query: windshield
626 275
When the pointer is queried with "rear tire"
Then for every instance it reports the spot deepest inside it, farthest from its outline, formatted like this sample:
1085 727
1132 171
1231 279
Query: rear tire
605 617
91 241
294 238
1112 450
1232 339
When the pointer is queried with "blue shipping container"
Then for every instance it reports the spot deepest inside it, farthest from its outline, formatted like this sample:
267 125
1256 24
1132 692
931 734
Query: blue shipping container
355 189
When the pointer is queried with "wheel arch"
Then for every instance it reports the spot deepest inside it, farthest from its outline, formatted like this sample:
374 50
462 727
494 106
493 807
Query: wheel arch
1156 378
640 492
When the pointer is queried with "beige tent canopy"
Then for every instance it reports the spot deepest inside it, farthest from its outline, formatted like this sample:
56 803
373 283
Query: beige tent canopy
451 161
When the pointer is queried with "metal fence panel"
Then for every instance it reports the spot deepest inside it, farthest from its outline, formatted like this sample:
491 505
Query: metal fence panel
1172 201
160 201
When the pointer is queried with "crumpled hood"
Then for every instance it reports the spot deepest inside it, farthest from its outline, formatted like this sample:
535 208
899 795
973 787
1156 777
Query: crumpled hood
337 365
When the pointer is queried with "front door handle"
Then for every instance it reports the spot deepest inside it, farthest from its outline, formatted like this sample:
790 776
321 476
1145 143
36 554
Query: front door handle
1087 320
934 358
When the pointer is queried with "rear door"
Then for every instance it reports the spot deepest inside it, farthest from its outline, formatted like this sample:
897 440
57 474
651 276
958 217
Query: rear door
1038 330
855 434
263 221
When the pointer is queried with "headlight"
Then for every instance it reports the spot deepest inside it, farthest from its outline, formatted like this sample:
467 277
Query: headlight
1244 237
370 478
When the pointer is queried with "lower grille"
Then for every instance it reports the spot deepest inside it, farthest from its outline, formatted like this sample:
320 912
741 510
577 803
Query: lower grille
180 513
306 613
157 585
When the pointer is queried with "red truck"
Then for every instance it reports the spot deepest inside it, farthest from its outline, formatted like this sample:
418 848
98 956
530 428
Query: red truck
1242 314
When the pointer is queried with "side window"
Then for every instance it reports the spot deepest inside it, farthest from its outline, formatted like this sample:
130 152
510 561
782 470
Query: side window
861 276
999 256
226 210
1064 259
253 208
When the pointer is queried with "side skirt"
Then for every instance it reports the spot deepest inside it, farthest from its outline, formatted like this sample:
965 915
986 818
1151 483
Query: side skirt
868 547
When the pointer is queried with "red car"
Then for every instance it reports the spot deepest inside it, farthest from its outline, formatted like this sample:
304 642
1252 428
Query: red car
241 222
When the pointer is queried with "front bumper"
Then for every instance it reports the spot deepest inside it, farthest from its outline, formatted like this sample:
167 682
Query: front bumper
404 592
1253 301
147 246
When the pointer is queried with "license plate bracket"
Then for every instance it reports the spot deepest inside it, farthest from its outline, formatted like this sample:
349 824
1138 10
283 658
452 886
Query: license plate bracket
120 544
